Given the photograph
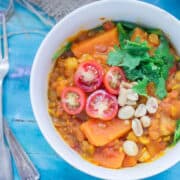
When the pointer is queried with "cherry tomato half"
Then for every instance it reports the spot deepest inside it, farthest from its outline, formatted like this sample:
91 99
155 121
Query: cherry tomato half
112 80
102 105
73 100
89 76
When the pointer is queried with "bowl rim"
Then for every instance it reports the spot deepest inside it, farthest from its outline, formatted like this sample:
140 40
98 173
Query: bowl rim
108 173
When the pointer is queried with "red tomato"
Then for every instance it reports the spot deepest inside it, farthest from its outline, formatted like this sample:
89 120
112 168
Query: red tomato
73 100
173 70
112 80
102 105
89 76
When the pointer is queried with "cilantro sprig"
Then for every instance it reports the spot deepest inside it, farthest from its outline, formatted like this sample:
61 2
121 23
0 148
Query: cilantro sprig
61 50
138 65
177 133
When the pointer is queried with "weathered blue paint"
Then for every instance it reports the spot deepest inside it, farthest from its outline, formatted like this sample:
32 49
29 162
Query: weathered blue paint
17 107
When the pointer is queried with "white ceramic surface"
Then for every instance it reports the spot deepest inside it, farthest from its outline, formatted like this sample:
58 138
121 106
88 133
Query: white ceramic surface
84 18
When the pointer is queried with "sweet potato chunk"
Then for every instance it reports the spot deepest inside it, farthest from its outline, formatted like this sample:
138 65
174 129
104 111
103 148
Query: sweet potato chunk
153 131
129 161
154 147
109 157
100 42
139 33
167 125
100 132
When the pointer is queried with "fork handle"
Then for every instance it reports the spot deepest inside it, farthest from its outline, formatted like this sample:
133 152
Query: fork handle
1 118
5 47
6 172
26 169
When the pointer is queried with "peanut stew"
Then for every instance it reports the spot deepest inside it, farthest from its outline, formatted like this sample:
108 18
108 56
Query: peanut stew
114 94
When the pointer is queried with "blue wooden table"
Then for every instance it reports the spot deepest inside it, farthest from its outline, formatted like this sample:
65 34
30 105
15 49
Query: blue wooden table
25 35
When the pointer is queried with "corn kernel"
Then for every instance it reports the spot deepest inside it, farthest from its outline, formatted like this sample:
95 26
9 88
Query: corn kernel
166 138
120 149
131 136
177 76
145 155
176 86
159 139
154 39
174 111
71 65
144 140
85 57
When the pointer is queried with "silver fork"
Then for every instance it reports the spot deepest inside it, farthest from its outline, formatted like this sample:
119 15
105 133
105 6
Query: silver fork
5 156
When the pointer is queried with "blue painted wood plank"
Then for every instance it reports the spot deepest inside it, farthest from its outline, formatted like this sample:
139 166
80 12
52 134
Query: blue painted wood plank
172 6
17 106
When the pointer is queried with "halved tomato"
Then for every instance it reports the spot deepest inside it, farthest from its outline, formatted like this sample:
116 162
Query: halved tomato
112 80
73 100
102 105
89 76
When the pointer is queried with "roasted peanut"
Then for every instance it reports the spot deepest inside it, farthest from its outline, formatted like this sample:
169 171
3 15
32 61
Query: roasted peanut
146 121
126 112
137 127
130 148
122 98
131 95
140 111
152 105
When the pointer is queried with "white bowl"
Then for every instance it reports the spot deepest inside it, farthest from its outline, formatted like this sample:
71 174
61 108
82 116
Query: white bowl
84 18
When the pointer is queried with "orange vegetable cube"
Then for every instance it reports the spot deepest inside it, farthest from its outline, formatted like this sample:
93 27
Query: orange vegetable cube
129 161
98 43
139 33
109 157
99 132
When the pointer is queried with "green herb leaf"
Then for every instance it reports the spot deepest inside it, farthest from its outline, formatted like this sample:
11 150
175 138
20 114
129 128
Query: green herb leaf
140 88
177 133
134 74
139 65
136 48
115 57
62 50
122 34
163 51
120 57
161 88
130 61
154 31
131 54
129 25
164 71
